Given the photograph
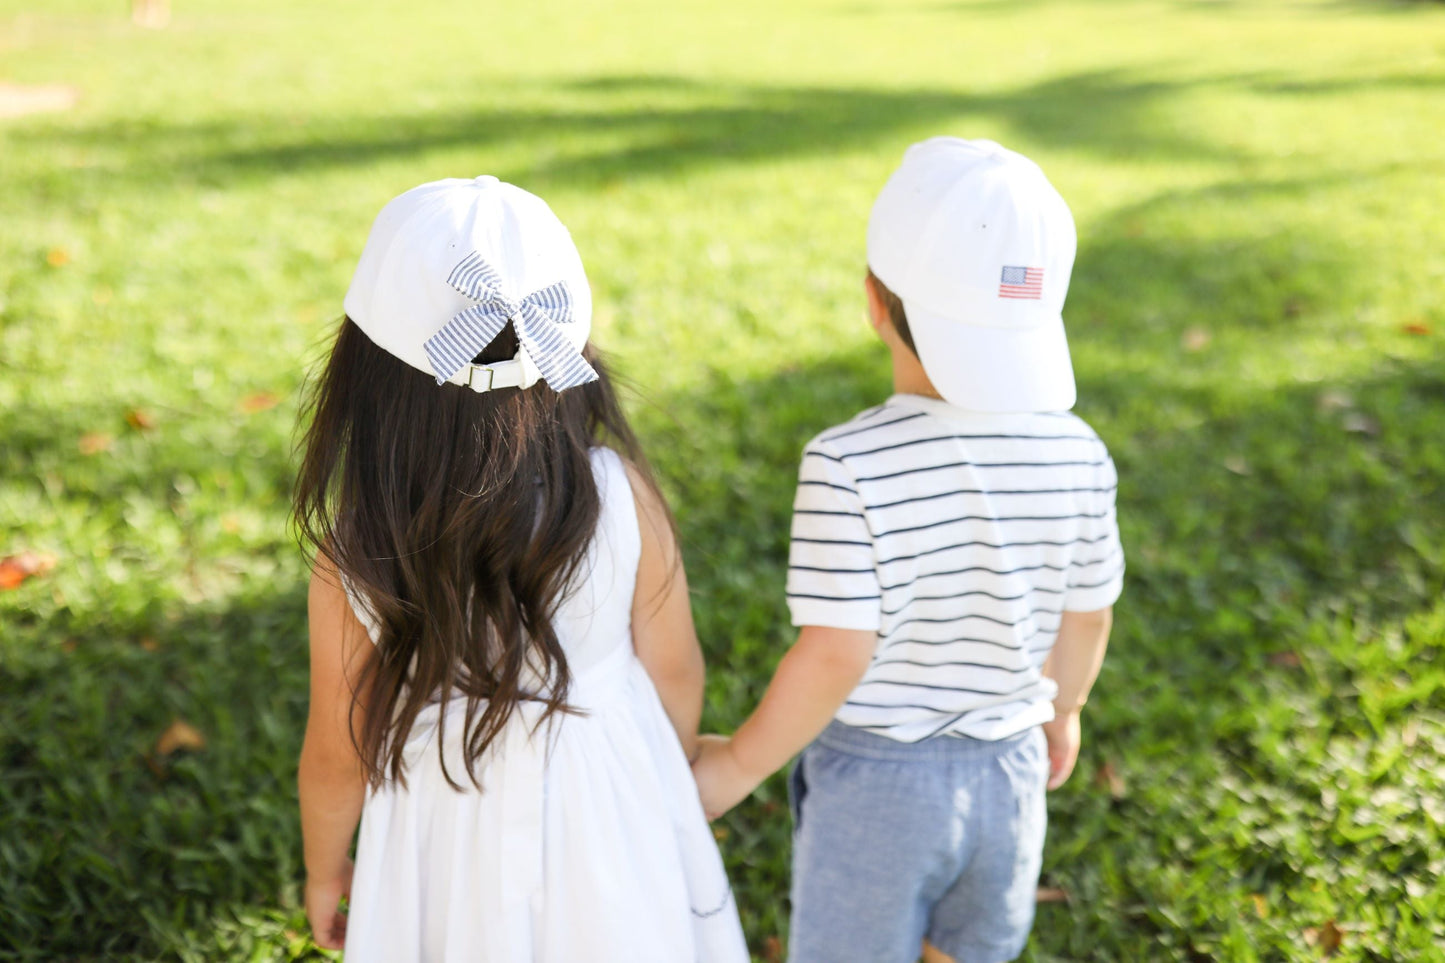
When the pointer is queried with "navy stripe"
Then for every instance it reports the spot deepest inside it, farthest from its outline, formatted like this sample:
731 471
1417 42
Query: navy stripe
982 491
832 571
961 595
815 511
969 665
1042 567
824 541
975 615
992 518
834 598
925 441
841 488
949 548
950 688
1012 646
828 438
980 464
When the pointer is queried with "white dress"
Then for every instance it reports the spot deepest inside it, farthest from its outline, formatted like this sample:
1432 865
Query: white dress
587 841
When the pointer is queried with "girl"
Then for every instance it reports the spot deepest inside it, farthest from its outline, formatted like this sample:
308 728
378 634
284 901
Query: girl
505 679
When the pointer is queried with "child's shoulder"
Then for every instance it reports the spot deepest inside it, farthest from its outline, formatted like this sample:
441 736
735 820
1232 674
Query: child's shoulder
864 430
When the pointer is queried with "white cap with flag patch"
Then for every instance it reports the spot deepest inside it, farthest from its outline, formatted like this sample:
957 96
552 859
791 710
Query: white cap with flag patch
448 264
979 246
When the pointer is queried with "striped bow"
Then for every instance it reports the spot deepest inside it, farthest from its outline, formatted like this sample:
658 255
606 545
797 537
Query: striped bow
535 318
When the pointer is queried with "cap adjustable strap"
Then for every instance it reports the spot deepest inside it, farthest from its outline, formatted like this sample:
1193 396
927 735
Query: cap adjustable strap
485 377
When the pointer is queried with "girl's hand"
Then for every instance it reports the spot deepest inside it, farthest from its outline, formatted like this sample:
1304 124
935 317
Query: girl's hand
721 782
323 908
1063 735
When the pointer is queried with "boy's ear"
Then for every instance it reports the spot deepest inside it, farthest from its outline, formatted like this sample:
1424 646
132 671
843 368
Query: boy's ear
877 310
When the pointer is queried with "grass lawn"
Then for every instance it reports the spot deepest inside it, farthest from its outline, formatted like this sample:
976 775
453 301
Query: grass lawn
1258 323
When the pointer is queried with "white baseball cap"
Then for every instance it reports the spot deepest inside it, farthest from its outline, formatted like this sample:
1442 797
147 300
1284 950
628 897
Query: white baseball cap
979 246
449 263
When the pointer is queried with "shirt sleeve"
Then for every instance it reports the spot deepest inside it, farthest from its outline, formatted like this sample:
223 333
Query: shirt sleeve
832 576
1096 573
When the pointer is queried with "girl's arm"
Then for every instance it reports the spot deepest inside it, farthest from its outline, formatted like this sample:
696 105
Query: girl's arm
330 777
662 631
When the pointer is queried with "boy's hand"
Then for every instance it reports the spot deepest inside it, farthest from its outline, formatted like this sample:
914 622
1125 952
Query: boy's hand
722 782
323 908
1063 735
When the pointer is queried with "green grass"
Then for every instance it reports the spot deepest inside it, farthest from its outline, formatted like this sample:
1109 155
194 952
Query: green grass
1260 181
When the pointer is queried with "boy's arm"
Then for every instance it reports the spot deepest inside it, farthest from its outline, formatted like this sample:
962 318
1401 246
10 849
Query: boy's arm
330 778
1073 664
663 635
812 682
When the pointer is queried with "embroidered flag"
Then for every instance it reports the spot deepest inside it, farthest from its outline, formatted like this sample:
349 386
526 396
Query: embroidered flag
1022 282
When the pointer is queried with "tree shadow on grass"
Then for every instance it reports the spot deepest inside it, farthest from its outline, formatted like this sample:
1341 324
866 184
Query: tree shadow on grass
593 132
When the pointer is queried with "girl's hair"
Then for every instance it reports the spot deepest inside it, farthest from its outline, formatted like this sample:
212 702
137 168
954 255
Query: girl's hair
459 519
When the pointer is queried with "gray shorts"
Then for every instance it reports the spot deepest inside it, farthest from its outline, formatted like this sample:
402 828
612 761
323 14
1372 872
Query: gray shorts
895 842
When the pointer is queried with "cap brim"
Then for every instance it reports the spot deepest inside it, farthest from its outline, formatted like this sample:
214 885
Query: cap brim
995 369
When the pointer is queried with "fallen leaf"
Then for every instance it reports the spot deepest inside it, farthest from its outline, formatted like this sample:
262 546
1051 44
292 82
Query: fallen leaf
57 257
94 442
1360 424
140 419
1107 777
149 644
719 833
1286 659
1051 894
1416 327
1334 400
1261 905
179 735
1236 465
773 950
260 401
1196 339
15 569
69 646
1293 307
1326 938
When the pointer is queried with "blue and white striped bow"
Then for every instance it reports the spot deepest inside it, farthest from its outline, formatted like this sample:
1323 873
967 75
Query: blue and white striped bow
535 318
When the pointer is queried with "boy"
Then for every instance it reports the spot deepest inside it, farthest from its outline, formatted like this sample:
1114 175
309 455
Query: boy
954 561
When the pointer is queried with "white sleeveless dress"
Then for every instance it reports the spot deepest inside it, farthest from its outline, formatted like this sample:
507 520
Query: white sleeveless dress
587 841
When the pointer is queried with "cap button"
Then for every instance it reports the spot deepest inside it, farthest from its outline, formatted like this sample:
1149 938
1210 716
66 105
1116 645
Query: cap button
486 180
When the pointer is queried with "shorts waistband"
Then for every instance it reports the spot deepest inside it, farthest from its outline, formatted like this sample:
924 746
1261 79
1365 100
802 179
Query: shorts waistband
860 742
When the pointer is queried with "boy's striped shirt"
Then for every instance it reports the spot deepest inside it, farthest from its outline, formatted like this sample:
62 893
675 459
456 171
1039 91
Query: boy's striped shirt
960 538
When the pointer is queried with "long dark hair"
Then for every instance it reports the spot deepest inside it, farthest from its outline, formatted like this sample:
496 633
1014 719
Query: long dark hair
460 519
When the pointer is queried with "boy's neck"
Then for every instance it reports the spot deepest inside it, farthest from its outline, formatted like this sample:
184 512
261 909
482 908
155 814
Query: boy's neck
909 378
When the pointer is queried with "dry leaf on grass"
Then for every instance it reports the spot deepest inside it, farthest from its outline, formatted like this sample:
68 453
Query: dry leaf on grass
1261 905
1287 660
179 735
1107 777
15 569
149 644
94 442
1051 894
140 419
1416 327
773 950
259 401
1326 938
1196 339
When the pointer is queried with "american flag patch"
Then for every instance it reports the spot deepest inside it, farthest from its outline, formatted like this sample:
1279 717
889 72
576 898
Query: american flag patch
1022 282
